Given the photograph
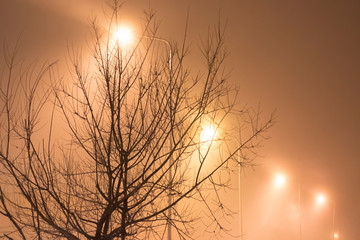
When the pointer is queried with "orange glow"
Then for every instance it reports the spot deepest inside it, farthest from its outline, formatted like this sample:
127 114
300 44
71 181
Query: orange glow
123 36
336 236
280 180
208 134
320 199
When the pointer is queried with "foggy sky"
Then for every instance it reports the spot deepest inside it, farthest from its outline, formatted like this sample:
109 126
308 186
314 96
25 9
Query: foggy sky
301 58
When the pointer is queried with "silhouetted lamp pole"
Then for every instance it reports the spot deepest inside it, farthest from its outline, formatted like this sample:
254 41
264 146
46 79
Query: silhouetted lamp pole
122 37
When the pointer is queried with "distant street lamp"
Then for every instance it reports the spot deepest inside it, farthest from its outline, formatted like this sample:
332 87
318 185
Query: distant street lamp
320 199
240 202
299 208
240 191
240 197
280 180
336 235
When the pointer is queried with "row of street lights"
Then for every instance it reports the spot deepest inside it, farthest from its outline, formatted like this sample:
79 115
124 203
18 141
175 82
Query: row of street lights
123 36
280 180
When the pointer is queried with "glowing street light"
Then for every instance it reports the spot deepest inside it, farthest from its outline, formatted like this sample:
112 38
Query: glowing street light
208 134
336 236
123 36
280 180
320 199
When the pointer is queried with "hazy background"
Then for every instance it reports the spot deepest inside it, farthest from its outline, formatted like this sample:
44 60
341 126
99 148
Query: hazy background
298 57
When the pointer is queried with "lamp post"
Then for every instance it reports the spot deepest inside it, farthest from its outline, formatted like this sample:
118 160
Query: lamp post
172 133
299 208
321 199
336 235
240 201
122 37
280 180
240 190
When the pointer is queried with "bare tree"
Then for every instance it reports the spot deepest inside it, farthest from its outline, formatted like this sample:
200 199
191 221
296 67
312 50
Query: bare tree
134 162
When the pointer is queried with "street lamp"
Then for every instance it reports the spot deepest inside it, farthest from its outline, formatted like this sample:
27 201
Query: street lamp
320 199
299 208
122 37
280 180
167 43
336 234
208 134
240 190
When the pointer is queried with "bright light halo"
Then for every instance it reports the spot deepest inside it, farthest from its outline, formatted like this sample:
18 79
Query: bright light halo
208 134
123 36
321 199
280 180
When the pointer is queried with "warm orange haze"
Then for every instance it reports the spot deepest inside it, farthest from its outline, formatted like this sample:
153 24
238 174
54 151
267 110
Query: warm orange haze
300 59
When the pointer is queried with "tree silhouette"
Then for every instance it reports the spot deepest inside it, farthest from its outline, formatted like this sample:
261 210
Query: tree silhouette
132 163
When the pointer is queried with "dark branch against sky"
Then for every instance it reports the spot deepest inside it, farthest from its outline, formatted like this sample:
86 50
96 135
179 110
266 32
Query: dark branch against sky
299 57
